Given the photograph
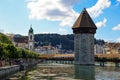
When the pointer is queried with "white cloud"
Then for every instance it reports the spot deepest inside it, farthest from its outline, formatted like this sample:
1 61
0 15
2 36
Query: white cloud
101 23
116 27
98 8
62 10
118 0
53 10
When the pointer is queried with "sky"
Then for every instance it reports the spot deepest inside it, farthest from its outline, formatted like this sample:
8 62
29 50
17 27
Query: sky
58 16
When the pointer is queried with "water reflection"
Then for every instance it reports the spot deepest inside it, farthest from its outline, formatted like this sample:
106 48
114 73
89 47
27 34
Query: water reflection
84 72
73 72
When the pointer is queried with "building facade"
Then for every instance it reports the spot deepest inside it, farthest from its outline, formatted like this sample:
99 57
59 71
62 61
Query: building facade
100 49
46 49
31 39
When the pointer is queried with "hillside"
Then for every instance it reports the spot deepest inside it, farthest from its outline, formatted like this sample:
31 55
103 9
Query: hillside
67 41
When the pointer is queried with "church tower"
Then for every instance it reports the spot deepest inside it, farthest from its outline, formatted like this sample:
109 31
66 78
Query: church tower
31 39
84 30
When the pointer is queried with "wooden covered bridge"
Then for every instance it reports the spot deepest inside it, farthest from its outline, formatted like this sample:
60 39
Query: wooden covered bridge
98 57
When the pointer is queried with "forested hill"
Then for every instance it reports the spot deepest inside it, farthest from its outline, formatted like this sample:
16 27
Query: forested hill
67 41
55 39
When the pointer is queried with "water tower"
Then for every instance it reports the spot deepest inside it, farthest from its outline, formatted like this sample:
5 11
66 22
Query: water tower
84 30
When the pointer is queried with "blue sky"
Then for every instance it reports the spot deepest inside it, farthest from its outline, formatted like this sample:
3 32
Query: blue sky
58 16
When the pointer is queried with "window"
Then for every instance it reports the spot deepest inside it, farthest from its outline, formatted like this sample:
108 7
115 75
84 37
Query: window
30 37
31 47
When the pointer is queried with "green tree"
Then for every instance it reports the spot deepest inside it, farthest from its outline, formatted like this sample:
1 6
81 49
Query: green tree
2 51
4 39
19 53
12 51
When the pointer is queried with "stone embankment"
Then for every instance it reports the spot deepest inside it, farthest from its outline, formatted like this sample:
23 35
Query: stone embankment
8 71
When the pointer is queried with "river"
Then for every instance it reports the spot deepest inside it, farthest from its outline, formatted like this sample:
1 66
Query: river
54 71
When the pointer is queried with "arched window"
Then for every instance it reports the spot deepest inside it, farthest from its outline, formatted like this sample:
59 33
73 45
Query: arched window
30 37
31 47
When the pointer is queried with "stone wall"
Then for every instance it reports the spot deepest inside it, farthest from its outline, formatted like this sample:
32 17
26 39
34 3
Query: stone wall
8 70
84 49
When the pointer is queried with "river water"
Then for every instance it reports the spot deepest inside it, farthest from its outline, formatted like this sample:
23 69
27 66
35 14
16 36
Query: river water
54 71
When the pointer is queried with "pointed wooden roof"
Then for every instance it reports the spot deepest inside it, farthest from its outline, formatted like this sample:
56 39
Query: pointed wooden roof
84 21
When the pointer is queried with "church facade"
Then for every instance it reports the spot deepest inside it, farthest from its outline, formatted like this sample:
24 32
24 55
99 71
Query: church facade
25 42
28 42
31 39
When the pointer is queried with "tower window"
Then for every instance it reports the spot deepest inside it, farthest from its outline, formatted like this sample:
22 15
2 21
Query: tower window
30 37
30 47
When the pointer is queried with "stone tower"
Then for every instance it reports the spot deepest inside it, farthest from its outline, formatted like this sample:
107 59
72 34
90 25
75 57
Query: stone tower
84 30
31 39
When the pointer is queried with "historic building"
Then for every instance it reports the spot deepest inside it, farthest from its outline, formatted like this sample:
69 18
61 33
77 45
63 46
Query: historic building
31 39
27 42
46 49
84 30
114 47
107 48
100 49
20 41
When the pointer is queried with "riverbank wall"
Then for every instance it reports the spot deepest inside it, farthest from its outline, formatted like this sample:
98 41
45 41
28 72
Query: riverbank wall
7 71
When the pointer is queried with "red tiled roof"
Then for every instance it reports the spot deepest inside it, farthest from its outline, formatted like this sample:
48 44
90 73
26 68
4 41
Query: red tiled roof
23 39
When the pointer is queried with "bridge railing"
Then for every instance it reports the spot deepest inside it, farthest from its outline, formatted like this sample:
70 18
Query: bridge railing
108 56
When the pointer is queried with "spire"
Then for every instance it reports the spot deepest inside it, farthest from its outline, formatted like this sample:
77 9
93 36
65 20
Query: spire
83 23
31 29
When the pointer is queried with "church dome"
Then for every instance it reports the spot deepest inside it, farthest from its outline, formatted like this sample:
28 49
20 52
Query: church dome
30 30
